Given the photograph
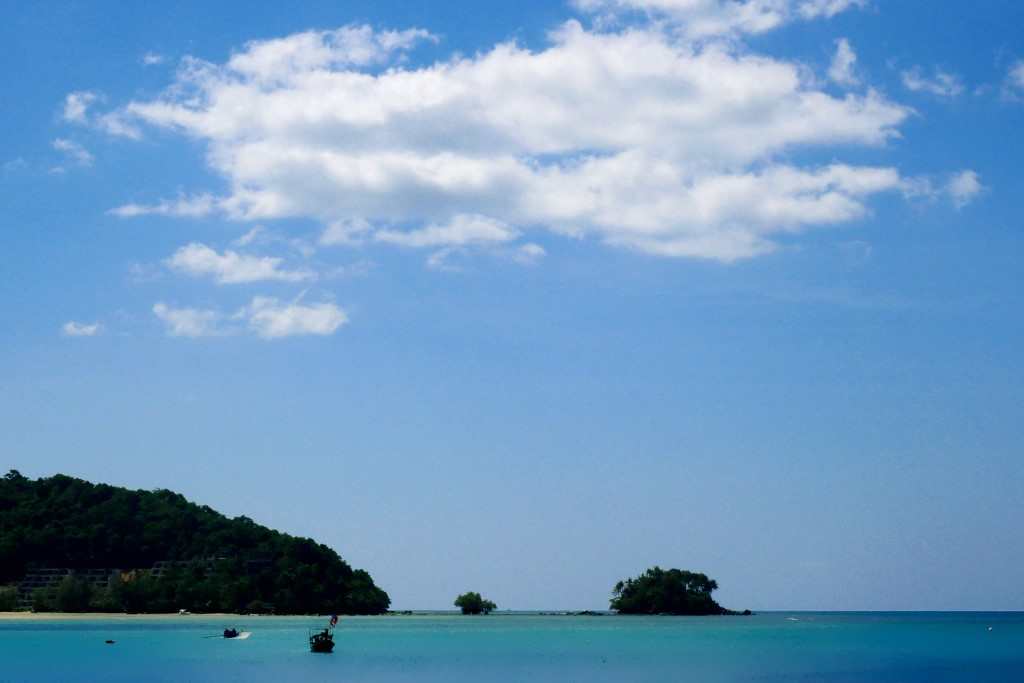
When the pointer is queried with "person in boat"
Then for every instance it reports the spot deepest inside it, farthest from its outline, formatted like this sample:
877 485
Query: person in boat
230 633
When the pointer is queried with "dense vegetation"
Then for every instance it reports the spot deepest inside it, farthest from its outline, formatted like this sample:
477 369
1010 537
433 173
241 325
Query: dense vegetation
474 603
673 591
218 564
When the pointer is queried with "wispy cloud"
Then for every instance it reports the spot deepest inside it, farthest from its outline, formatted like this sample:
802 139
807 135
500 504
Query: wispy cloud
189 322
1013 86
940 83
183 207
266 317
841 70
699 19
77 329
73 152
14 165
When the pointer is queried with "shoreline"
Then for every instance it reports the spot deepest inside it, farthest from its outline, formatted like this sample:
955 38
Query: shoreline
120 616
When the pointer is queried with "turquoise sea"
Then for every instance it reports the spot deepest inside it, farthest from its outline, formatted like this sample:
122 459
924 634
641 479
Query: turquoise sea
820 647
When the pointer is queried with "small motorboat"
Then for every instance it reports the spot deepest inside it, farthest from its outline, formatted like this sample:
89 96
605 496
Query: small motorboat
322 641
235 634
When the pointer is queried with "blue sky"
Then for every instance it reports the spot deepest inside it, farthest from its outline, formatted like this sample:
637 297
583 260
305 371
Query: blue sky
524 299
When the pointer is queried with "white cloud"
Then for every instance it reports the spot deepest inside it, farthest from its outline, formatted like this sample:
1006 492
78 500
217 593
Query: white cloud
528 254
266 317
250 236
841 70
812 9
152 59
441 259
942 83
77 329
199 260
639 138
182 207
189 322
964 187
1014 85
713 18
76 106
347 231
14 165
73 151
281 59
271 319
462 230
116 123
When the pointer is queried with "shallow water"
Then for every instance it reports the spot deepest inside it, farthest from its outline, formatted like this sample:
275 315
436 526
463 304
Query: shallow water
826 647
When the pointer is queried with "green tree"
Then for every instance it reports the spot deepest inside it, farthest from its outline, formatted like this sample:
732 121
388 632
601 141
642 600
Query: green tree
43 600
8 598
225 563
73 595
660 591
474 603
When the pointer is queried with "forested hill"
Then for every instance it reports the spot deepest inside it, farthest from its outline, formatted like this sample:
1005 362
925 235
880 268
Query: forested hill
170 554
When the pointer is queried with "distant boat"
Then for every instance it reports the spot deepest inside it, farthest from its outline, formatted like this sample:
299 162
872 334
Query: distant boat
322 641
235 634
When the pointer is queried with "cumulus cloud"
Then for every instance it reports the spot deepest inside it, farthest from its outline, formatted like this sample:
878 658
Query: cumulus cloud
964 187
271 319
841 70
941 83
77 329
640 138
230 267
189 322
73 152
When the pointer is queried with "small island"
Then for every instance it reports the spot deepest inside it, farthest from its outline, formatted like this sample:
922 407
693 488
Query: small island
474 603
671 591
72 546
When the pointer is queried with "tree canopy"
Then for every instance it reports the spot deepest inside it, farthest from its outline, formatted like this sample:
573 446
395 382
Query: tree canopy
672 591
474 603
211 562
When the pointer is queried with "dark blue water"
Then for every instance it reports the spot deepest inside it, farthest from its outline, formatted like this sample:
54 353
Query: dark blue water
825 647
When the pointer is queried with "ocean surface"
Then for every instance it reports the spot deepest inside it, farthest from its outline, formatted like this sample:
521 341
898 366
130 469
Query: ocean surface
819 647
